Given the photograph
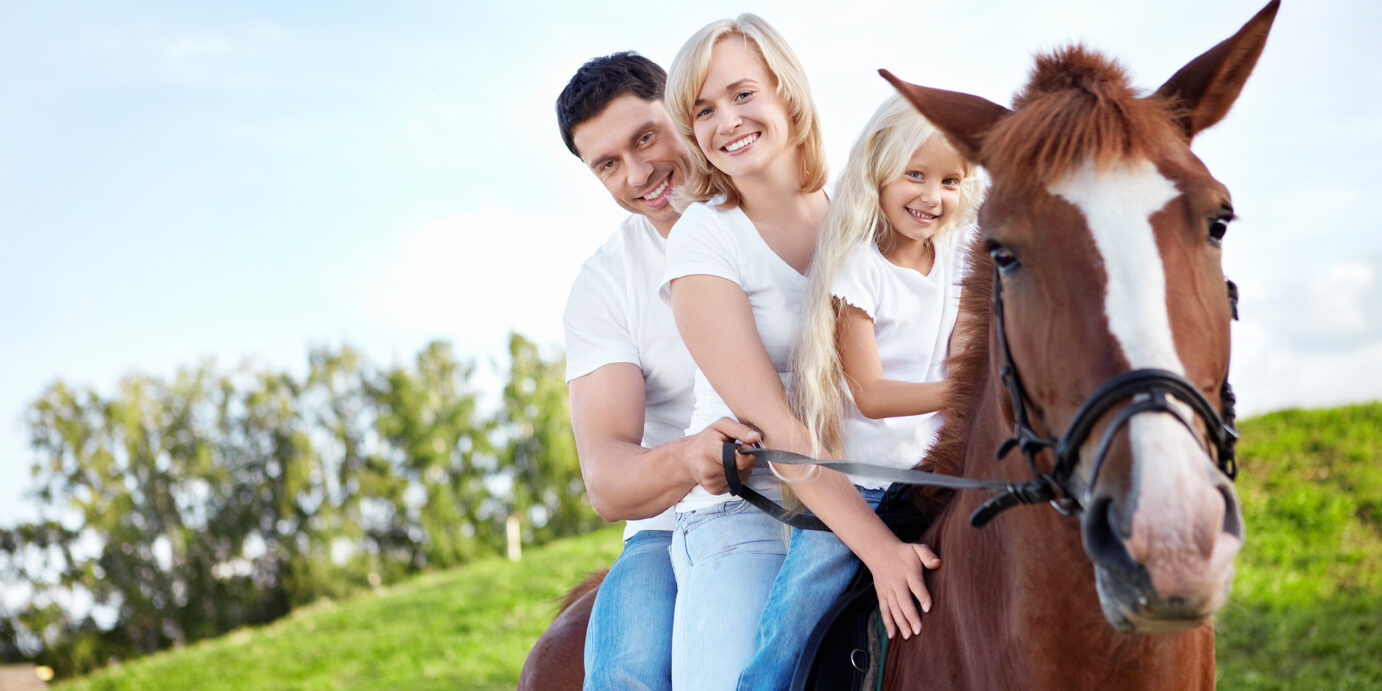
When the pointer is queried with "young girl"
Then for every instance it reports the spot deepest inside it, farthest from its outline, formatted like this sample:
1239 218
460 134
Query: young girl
881 305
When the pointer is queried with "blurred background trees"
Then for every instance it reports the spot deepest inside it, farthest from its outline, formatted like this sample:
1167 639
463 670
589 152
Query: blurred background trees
174 510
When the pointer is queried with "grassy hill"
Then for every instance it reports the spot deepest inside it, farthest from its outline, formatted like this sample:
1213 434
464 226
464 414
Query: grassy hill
1306 611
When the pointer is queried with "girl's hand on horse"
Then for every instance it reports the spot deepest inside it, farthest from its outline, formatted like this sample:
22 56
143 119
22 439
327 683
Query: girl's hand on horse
703 459
897 580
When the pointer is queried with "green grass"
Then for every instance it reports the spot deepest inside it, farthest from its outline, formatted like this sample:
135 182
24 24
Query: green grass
1306 610
468 628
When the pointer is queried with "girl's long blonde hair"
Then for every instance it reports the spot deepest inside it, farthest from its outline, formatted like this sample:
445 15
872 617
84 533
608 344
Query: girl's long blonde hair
856 216
687 75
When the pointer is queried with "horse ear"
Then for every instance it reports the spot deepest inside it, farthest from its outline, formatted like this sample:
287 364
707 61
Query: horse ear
964 118
1204 90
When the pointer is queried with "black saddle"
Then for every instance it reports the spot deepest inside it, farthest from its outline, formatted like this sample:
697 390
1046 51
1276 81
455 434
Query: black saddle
847 648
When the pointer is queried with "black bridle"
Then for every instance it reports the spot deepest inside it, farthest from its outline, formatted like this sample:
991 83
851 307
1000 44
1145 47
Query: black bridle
1148 389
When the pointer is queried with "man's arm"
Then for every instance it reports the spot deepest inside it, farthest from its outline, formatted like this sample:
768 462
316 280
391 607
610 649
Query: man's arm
626 481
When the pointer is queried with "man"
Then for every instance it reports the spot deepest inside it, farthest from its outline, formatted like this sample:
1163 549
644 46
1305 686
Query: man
629 374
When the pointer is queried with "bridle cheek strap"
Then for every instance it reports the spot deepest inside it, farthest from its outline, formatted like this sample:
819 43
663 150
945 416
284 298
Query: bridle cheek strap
1149 391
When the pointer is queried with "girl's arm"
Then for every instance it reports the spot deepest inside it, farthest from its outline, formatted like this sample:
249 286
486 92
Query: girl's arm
716 323
876 396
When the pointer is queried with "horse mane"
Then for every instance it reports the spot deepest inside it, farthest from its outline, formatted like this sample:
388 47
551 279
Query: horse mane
1077 105
590 583
968 373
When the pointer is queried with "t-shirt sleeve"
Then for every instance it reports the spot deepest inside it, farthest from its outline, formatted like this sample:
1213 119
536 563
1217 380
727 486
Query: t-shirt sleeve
700 244
596 323
857 282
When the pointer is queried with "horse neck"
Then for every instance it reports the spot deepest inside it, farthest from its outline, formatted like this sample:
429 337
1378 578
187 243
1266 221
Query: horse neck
1015 601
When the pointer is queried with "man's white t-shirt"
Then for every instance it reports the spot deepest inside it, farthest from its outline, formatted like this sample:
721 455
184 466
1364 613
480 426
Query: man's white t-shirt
614 315
724 243
913 315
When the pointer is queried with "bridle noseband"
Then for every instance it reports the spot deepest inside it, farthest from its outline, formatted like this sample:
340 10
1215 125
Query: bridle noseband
1149 391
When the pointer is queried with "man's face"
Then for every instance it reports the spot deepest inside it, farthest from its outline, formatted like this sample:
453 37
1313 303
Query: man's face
632 148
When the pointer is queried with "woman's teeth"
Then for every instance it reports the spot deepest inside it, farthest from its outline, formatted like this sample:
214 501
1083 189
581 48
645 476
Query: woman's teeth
741 143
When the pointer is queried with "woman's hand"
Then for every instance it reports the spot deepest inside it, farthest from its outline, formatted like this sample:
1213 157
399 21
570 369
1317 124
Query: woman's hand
897 577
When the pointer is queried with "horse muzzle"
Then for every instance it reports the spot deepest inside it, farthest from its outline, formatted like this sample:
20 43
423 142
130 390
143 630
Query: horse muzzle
1163 535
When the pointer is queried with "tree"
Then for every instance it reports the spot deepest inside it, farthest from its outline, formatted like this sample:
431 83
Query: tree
538 457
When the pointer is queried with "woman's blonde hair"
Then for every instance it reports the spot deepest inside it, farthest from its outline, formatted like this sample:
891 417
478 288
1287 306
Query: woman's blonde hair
856 216
684 83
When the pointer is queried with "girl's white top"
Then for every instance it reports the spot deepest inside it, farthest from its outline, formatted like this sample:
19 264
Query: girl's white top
913 315
723 242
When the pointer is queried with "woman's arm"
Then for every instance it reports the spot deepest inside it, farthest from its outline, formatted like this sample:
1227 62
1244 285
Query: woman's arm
716 323
876 396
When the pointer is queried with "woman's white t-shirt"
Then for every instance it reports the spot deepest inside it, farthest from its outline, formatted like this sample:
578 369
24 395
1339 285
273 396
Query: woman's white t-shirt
614 315
913 315
723 242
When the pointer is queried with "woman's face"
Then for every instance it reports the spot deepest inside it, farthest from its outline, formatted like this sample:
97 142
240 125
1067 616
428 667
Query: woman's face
740 122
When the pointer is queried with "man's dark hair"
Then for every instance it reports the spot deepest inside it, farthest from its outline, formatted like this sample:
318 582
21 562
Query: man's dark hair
602 80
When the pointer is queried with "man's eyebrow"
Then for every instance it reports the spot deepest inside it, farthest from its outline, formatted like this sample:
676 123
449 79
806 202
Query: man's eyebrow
731 87
642 130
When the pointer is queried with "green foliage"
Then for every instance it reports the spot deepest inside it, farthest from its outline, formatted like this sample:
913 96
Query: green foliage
540 459
189 507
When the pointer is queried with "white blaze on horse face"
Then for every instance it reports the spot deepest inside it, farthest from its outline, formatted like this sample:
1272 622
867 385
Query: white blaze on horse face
1117 203
1178 511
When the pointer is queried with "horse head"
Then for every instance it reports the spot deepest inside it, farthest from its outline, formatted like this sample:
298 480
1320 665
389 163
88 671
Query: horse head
1103 231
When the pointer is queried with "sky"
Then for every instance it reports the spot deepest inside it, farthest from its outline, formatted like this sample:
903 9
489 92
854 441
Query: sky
242 182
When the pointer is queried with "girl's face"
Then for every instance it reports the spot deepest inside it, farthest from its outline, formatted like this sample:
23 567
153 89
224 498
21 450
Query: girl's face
740 122
918 202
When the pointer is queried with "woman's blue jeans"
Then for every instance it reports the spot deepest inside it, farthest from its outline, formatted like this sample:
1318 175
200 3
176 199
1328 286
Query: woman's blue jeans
725 558
816 572
628 642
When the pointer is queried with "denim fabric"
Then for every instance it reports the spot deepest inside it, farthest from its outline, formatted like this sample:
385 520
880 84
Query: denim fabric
628 643
816 572
725 557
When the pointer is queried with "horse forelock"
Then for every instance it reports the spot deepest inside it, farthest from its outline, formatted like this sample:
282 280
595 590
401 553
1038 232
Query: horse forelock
1077 106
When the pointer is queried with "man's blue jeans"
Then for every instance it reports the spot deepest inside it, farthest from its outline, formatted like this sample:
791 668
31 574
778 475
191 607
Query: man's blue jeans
725 557
628 643
818 569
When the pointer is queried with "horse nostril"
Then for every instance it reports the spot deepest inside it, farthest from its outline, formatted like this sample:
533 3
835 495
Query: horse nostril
1101 541
1233 519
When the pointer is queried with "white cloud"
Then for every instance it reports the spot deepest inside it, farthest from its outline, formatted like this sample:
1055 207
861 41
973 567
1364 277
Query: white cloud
476 276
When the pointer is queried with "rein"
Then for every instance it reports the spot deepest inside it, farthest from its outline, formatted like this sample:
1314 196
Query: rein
1148 390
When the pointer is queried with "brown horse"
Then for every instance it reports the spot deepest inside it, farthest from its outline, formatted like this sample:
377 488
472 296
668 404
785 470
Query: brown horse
557 660
1099 256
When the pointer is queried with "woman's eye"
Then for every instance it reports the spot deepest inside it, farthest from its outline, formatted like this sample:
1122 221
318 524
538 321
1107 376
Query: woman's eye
742 95
914 174
951 182
1002 257
703 112
645 139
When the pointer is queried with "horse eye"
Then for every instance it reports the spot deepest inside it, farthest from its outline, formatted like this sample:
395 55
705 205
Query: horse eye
1003 257
1217 228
